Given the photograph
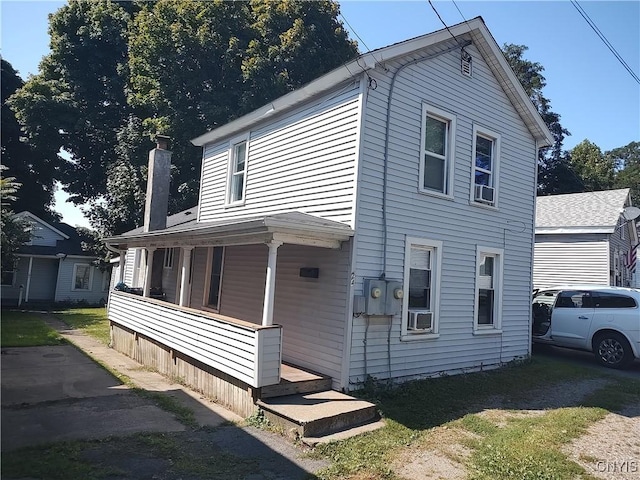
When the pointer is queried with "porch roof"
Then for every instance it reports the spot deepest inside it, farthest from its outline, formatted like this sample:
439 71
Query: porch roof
290 227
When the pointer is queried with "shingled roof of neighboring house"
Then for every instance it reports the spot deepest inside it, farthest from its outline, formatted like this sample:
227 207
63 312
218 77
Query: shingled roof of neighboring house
597 212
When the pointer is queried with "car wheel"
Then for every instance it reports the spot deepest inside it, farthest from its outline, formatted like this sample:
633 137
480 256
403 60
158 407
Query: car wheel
612 350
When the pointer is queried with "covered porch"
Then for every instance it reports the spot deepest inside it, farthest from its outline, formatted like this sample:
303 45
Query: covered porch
237 324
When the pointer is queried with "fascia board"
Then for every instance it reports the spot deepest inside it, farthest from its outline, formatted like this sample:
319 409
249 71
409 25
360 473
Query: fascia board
571 230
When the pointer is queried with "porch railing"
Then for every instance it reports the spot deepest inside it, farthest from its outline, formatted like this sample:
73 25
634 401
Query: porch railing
249 352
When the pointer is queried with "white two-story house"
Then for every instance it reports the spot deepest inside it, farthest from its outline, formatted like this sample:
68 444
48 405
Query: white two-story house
378 222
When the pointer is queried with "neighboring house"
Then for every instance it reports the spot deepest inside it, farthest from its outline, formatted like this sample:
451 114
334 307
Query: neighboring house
584 238
52 267
377 222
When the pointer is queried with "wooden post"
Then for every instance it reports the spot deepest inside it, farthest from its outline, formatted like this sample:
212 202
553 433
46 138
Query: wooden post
270 284
148 272
184 276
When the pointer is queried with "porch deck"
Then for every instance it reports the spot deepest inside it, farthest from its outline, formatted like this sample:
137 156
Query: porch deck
294 380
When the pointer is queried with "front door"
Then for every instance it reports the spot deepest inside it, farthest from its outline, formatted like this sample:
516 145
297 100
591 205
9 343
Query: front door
571 318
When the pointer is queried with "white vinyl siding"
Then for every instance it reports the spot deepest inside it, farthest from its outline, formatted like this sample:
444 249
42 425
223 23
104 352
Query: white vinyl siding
455 222
129 264
304 162
65 291
41 234
311 311
438 143
250 354
560 261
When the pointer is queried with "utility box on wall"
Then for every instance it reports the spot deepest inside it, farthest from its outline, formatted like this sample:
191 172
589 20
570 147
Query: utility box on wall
374 296
382 297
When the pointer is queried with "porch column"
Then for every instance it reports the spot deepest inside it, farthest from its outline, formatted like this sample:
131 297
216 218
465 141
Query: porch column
123 254
26 294
184 276
270 284
147 277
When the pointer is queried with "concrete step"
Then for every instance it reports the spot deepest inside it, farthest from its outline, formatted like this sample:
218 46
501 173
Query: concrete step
315 415
296 380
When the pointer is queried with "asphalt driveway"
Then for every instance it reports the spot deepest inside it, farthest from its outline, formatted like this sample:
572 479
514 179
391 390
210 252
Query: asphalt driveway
57 393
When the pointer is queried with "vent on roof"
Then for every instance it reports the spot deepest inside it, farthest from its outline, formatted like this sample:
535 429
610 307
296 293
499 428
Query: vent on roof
465 63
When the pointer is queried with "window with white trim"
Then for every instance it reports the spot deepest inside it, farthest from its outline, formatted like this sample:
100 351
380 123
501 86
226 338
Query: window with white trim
422 287
237 172
82 276
488 299
437 151
8 278
216 260
168 257
486 155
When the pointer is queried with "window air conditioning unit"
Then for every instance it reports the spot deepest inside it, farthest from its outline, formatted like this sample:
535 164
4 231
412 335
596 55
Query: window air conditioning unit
484 194
422 321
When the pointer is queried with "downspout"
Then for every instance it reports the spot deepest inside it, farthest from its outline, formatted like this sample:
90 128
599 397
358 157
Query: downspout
533 247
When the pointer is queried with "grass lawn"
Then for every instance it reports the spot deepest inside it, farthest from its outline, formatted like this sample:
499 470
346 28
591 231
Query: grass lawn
92 321
24 329
423 416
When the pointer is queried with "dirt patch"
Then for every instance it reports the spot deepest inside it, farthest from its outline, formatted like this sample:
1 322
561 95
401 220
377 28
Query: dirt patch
441 455
610 449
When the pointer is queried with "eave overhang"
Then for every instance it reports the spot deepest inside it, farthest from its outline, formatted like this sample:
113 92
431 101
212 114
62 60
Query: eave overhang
293 228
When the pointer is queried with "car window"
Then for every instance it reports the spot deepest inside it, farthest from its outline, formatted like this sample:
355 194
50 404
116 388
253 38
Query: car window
547 297
574 299
614 300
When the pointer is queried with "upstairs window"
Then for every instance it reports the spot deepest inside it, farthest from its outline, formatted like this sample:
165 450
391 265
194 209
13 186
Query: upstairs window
237 172
436 164
486 148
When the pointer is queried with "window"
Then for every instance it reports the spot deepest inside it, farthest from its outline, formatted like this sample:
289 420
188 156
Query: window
82 276
488 303
422 284
106 280
436 164
237 172
168 257
613 300
216 258
486 153
8 278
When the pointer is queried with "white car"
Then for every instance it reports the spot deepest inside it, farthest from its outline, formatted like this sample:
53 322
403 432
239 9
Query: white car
603 320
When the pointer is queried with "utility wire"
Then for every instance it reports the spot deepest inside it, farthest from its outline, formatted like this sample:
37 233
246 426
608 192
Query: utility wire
445 25
604 39
354 31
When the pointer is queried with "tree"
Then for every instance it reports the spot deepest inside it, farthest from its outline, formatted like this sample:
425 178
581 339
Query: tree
31 168
627 168
595 170
119 73
14 232
554 170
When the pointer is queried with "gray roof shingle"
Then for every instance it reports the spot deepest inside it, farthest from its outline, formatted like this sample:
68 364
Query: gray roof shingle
581 210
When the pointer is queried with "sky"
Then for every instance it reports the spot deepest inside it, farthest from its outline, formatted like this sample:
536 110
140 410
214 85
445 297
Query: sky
596 97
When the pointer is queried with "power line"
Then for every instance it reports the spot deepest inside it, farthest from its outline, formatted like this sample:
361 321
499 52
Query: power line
445 25
604 39
354 32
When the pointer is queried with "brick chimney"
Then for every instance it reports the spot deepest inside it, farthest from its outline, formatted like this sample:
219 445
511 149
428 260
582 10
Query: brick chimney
158 180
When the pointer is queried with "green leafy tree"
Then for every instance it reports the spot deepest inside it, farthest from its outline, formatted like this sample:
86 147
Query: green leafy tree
595 170
32 168
77 101
554 170
121 72
627 164
14 232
